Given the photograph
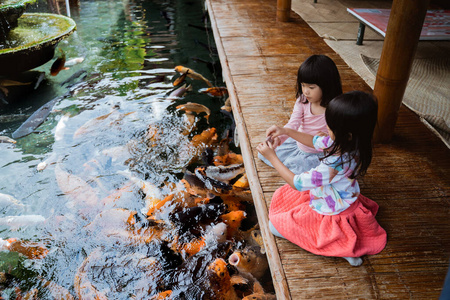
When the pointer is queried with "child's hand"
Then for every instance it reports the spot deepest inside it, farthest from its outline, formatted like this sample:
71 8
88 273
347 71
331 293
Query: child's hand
275 131
274 141
321 133
266 149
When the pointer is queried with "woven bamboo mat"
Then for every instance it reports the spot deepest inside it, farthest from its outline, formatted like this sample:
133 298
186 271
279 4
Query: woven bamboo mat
427 92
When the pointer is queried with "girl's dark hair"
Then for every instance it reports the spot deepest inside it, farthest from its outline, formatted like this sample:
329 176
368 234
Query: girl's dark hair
352 118
320 70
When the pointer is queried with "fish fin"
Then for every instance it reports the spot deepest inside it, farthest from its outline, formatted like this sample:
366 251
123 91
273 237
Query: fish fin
257 288
4 90
237 279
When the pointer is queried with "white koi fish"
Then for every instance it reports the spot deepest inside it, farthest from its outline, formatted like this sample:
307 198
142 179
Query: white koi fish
7 201
16 222
60 127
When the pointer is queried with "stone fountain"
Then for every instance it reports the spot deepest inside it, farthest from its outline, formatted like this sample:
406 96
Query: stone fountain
28 40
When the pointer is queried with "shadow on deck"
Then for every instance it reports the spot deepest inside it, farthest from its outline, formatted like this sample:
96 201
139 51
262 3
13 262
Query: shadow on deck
409 178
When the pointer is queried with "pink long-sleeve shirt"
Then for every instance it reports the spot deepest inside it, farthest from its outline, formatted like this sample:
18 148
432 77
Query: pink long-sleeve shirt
303 120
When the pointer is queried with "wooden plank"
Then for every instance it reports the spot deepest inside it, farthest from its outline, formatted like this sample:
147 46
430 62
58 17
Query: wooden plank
408 178
276 269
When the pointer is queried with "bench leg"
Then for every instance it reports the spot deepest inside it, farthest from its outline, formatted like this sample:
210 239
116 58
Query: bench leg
360 37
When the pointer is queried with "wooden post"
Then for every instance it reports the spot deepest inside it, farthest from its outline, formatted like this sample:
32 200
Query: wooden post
400 44
283 10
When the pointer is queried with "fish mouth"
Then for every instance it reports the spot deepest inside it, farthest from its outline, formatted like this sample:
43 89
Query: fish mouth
234 259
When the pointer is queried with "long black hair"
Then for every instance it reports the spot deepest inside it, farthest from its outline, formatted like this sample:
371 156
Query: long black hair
320 70
352 118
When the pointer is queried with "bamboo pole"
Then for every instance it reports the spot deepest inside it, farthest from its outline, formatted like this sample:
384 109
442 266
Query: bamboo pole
400 44
283 10
276 268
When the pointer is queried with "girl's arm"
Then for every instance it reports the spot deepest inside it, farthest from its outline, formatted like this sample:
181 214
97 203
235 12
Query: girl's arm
266 149
304 138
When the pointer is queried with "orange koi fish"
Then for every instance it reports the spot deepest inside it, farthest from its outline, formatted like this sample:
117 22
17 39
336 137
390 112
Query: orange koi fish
206 138
31 250
222 280
194 108
228 159
192 74
250 261
259 294
233 220
162 295
190 248
217 91
180 79
242 182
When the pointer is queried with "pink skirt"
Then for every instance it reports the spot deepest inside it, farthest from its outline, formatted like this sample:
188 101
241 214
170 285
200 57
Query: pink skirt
352 233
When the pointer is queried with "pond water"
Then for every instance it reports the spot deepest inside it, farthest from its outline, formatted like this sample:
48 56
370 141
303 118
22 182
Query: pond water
131 188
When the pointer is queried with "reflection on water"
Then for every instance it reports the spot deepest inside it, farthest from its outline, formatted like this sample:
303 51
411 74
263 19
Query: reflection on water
115 190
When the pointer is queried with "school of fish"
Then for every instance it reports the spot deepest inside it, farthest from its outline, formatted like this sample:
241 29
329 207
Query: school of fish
195 238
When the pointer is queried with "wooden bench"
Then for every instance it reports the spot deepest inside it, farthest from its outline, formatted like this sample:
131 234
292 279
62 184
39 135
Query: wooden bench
435 27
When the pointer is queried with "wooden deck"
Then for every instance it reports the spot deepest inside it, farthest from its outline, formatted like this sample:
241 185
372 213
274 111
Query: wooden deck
409 178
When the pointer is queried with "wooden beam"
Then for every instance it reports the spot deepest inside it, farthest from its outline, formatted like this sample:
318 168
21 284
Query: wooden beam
283 10
400 44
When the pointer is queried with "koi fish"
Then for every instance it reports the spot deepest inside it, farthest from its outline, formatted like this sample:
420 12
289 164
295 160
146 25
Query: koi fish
6 139
206 138
78 190
250 261
192 74
217 91
191 217
74 61
31 250
190 248
259 294
153 194
82 285
7 201
223 173
16 222
242 182
39 80
228 159
36 119
233 220
7 82
124 225
93 124
194 108
162 295
180 79
212 184
195 186
222 280
257 237
58 64
179 92
60 127
227 105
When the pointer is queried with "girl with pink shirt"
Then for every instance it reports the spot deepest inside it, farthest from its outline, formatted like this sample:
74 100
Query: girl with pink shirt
318 82
322 210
